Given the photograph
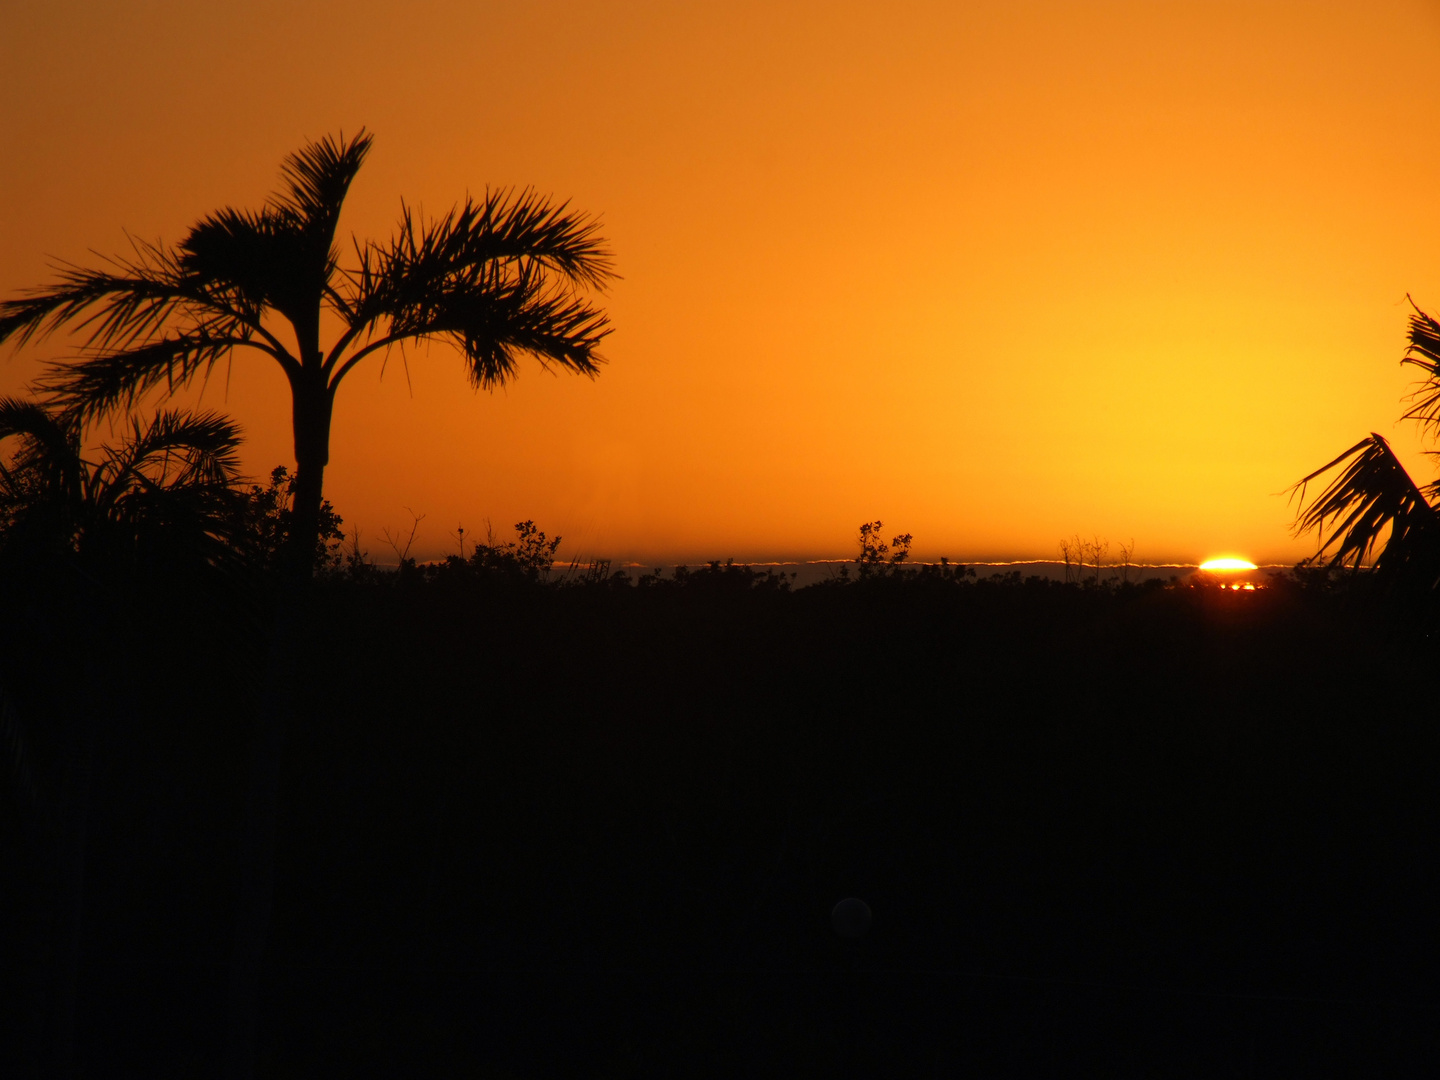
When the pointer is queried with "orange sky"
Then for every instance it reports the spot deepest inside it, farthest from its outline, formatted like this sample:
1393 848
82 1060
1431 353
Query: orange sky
994 273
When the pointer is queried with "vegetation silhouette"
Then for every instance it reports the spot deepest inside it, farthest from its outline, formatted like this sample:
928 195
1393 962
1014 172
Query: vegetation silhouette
875 556
1373 510
582 823
90 539
529 558
500 277
86 539
165 493
263 538
1077 553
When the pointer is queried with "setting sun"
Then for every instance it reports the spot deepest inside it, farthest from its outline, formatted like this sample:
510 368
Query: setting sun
1227 563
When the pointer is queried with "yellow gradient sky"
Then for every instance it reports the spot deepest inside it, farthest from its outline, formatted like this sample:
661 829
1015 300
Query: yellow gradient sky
995 273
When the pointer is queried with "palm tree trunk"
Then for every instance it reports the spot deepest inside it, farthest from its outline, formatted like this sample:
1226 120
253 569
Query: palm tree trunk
311 418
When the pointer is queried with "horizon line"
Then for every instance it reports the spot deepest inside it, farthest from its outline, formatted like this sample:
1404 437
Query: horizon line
636 565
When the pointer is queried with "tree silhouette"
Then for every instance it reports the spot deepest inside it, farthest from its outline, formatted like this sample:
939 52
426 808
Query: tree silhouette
1373 507
165 493
498 277
78 532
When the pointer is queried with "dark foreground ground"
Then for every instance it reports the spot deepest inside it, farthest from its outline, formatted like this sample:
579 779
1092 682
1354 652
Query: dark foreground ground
599 832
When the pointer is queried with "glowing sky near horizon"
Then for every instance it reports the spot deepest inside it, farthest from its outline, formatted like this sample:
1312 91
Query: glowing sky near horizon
994 273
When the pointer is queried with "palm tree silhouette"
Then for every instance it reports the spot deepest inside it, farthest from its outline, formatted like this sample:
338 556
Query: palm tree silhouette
1373 507
167 491
83 527
498 277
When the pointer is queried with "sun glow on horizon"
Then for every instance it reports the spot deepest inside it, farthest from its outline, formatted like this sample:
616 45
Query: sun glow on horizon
1227 563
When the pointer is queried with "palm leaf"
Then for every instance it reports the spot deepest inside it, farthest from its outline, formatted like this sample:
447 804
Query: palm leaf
317 179
169 491
524 225
45 484
1372 495
215 286
48 456
1424 352
125 312
93 385
504 225
169 486
496 330
46 432
175 450
282 257
260 259
484 277
117 306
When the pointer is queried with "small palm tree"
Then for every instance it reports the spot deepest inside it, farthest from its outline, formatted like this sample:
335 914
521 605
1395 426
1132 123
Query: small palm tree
1373 509
82 526
167 491
499 277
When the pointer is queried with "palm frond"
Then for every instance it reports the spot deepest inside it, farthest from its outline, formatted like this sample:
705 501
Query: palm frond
522 229
118 306
1423 351
170 484
495 331
317 179
261 259
1372 495
177 449
128 313
48 455
41 427
282 256
498 279
214 287
44 482
93 385
168 491
524 225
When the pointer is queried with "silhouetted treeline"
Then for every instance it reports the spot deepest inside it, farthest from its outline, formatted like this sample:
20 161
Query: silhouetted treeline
545 824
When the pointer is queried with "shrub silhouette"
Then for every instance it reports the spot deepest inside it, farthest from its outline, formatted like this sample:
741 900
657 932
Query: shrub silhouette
267 517
876 557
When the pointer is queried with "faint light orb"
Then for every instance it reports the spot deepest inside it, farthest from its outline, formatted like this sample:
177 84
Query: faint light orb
1227 563
850 918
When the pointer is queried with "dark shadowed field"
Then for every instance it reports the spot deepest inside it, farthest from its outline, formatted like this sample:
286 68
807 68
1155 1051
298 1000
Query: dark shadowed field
599 830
